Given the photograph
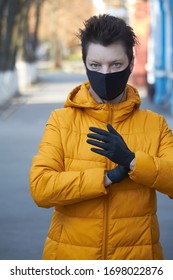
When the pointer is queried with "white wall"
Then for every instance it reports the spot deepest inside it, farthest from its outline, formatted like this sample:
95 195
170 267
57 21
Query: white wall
27 74
18 80
8 85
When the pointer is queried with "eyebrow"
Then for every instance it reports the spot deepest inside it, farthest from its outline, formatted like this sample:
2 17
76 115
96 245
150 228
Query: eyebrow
92 60
113 61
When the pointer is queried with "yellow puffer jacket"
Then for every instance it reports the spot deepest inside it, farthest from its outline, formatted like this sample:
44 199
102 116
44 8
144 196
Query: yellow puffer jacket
90 221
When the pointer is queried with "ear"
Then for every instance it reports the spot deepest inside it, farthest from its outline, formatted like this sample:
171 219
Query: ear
132 64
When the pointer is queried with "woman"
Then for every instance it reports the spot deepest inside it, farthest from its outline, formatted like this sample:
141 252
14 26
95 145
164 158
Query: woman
101 158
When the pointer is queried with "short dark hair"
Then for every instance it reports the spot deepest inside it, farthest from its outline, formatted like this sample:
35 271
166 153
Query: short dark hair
105 30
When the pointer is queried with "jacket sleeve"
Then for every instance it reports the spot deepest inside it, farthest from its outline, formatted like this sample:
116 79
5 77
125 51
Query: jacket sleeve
50 184
156 172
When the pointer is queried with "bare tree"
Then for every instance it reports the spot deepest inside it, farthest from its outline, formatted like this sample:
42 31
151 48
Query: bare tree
10 19
29 40
14 32
60 20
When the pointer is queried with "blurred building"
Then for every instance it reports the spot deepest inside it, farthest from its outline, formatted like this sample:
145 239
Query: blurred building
117 8
140 21
160 59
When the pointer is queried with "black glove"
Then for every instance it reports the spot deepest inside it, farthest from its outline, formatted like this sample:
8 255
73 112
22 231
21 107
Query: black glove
112 145
117 174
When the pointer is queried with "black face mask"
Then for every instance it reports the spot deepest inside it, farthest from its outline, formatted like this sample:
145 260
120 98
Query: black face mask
110 85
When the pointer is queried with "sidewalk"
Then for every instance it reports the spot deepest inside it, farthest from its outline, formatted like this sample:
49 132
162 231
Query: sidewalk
24 225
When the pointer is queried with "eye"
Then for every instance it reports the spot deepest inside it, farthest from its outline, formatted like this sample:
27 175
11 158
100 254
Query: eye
94 65
117 65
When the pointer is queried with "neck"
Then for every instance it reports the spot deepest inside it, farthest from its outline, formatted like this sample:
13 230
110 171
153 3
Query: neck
116 100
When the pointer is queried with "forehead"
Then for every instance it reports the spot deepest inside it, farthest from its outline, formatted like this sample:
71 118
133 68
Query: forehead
111 52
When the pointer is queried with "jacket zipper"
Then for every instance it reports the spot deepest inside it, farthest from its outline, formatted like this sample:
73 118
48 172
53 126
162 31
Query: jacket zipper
106 202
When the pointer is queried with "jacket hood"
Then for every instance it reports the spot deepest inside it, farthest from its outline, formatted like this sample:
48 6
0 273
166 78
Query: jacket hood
80 97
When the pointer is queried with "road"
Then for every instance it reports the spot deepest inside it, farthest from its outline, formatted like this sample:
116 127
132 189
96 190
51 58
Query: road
24 226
